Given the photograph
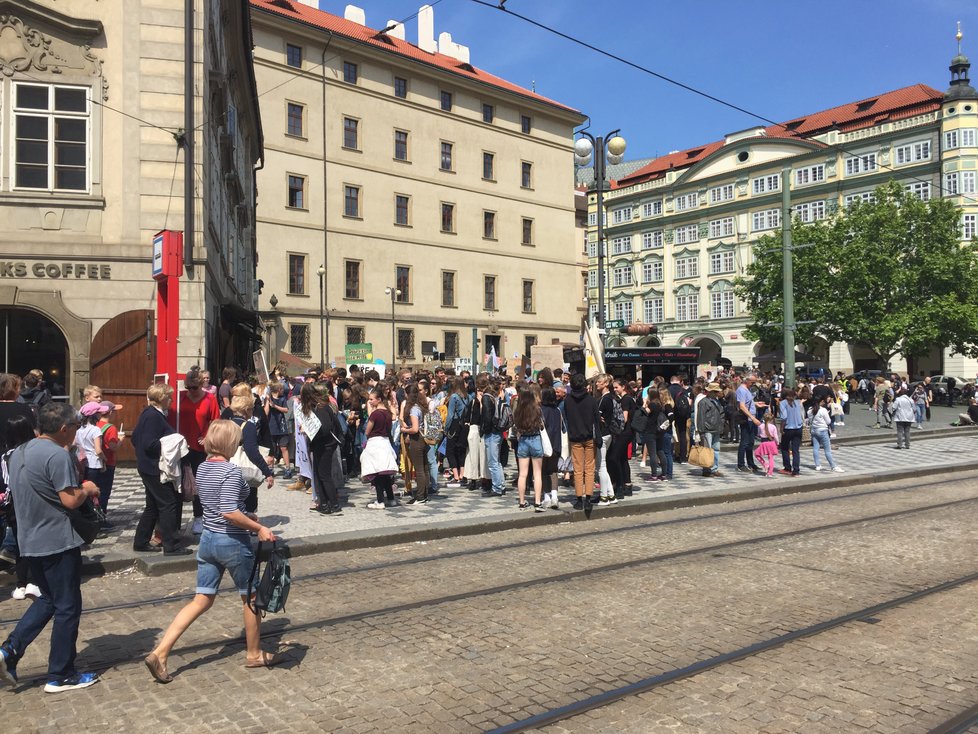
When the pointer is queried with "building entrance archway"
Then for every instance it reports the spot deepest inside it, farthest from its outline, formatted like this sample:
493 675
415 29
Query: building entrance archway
30 340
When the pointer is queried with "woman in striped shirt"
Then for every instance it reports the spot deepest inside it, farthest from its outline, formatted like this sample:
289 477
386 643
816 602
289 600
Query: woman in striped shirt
224 545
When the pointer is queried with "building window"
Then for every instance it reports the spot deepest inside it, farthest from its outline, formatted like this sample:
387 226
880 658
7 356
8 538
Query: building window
297 192
489 293
721 262
293 56
526 124
809 175
402 210
621 276
351 279
446 156
297 275
405 343
810 211
592 279
451 344
652 272
767 219
351 201
447 288
863 196
920 189
722 227
299 339
488 113
651 240
350 72
951 139
652 208
687 267
592 249
689 233
621 245
968 137
355 335
721 305
446 101
912 152
687 307
400 145
51 130
294 119
529 341
447 217
653 310
400 87
766 184
526 175
620 216
489 225
721 193
687 201
592 219
967 179
528 296
527 238
969 226
856 164
351 137
488 166
623 311
402 282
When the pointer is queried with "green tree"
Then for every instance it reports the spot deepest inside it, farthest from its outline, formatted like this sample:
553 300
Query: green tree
890 274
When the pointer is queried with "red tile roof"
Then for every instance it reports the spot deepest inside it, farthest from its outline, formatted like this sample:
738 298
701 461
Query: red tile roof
896 105
295 10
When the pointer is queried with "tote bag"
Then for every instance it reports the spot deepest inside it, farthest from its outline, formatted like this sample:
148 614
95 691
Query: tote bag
548 449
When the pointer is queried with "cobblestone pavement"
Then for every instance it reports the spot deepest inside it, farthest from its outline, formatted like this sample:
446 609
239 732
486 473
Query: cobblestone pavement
287 513
466 634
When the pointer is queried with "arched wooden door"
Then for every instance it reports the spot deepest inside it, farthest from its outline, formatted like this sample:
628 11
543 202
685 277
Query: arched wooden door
122 364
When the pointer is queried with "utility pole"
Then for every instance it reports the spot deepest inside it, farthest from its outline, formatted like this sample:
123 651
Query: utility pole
788 286
189 221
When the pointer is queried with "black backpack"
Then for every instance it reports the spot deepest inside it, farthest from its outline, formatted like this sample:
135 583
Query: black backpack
641 420
617 423
682 409
273 589
503 418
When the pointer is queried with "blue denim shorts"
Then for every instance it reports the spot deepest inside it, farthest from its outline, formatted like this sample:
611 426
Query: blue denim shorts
218 552
529 447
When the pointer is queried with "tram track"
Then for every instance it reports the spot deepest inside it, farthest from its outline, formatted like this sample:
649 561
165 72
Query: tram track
523 584
597 533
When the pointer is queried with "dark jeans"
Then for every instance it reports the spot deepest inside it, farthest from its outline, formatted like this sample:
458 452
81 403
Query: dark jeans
59 578
617 458
195 459
104 483
322 469
664 449
791 449
745 451
682 438
162 506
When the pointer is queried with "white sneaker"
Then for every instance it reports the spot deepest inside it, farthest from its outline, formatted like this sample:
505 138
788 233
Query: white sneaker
832 435
20 593
197 526
818 468
554 502
376 506
644 465
839 470
33 590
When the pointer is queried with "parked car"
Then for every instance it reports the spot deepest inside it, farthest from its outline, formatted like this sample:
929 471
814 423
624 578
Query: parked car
939 386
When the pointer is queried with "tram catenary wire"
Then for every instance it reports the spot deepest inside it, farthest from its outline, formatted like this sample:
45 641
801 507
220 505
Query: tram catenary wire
386 565
560 578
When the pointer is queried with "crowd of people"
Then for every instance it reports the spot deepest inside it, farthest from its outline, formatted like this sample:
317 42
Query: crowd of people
412 436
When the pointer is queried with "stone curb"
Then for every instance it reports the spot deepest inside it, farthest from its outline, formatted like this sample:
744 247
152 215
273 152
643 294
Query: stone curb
156 565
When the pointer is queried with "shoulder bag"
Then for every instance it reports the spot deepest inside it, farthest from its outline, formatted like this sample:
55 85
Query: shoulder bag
249 472
548 449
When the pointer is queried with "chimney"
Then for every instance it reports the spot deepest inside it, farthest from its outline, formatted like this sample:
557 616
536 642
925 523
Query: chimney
426 29
355 14
450 48
396 29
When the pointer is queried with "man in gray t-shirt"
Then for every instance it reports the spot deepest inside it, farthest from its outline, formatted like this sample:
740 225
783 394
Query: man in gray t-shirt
44 485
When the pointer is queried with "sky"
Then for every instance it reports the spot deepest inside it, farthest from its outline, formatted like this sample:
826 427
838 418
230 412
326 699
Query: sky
780 60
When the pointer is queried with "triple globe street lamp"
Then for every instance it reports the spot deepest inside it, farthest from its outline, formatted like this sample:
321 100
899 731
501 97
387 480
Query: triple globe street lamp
606 149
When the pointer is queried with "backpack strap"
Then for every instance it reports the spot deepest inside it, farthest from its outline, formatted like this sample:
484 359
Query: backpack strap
252 584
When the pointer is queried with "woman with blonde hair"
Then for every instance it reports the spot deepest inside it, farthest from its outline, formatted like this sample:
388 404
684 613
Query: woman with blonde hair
225 545
242 407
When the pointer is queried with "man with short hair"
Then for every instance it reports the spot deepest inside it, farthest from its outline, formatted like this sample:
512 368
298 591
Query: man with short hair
45 485
748 428
682 411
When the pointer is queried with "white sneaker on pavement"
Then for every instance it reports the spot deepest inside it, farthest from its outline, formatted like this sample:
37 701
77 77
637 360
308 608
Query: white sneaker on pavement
33 590
839 470
20 593
376 506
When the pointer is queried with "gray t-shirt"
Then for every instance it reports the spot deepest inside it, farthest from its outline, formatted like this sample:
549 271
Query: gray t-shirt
38 471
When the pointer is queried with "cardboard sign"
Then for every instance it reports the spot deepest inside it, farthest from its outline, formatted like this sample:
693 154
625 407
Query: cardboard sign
261 367
358 353
546 355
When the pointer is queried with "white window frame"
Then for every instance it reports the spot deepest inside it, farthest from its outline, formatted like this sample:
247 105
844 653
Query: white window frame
686 234
862 163
968 182
592 219
951 184
722 304
592 249
653 310
687 306
621 245
722 262
592 278
861 196
969 137
622 215
766 184
722 227
722 193
915 152
920 189
951 140
810 211
765 219
969 226
687 267
652 271
652 240
810 175
685 202
652 208
623 311
621 276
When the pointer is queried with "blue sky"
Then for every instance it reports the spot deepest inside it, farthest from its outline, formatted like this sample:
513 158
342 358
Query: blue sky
778 59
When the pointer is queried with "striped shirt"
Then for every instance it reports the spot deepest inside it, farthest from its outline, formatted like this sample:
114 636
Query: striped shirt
221 489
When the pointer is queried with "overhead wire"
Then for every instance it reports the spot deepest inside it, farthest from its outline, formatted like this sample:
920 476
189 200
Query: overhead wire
689 88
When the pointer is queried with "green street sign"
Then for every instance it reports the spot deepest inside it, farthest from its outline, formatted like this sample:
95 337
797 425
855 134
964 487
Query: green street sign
615 324
356 353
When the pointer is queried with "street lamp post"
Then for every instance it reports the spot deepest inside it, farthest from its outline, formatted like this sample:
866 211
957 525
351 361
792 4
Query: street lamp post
606 149
393 293
321 272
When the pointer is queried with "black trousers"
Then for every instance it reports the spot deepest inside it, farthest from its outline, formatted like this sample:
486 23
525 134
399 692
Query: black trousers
791 449
322 469
682 436
617 458
195 459
457 447
162 506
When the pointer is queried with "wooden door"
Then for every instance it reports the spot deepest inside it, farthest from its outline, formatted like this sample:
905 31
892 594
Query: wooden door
122 364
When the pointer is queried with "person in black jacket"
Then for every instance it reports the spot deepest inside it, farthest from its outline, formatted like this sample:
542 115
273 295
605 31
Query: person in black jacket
492 399
242 415
162 501
315 401
582 418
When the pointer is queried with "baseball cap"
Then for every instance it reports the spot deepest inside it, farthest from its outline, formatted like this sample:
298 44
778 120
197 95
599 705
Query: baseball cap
92 408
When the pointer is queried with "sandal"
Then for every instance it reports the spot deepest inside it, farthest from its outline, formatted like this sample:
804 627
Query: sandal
267 660
157 669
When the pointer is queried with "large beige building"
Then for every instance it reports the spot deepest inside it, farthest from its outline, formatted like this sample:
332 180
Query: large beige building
93 101
401 166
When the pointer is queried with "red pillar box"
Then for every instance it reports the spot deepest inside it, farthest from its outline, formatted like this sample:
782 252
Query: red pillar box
167 269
